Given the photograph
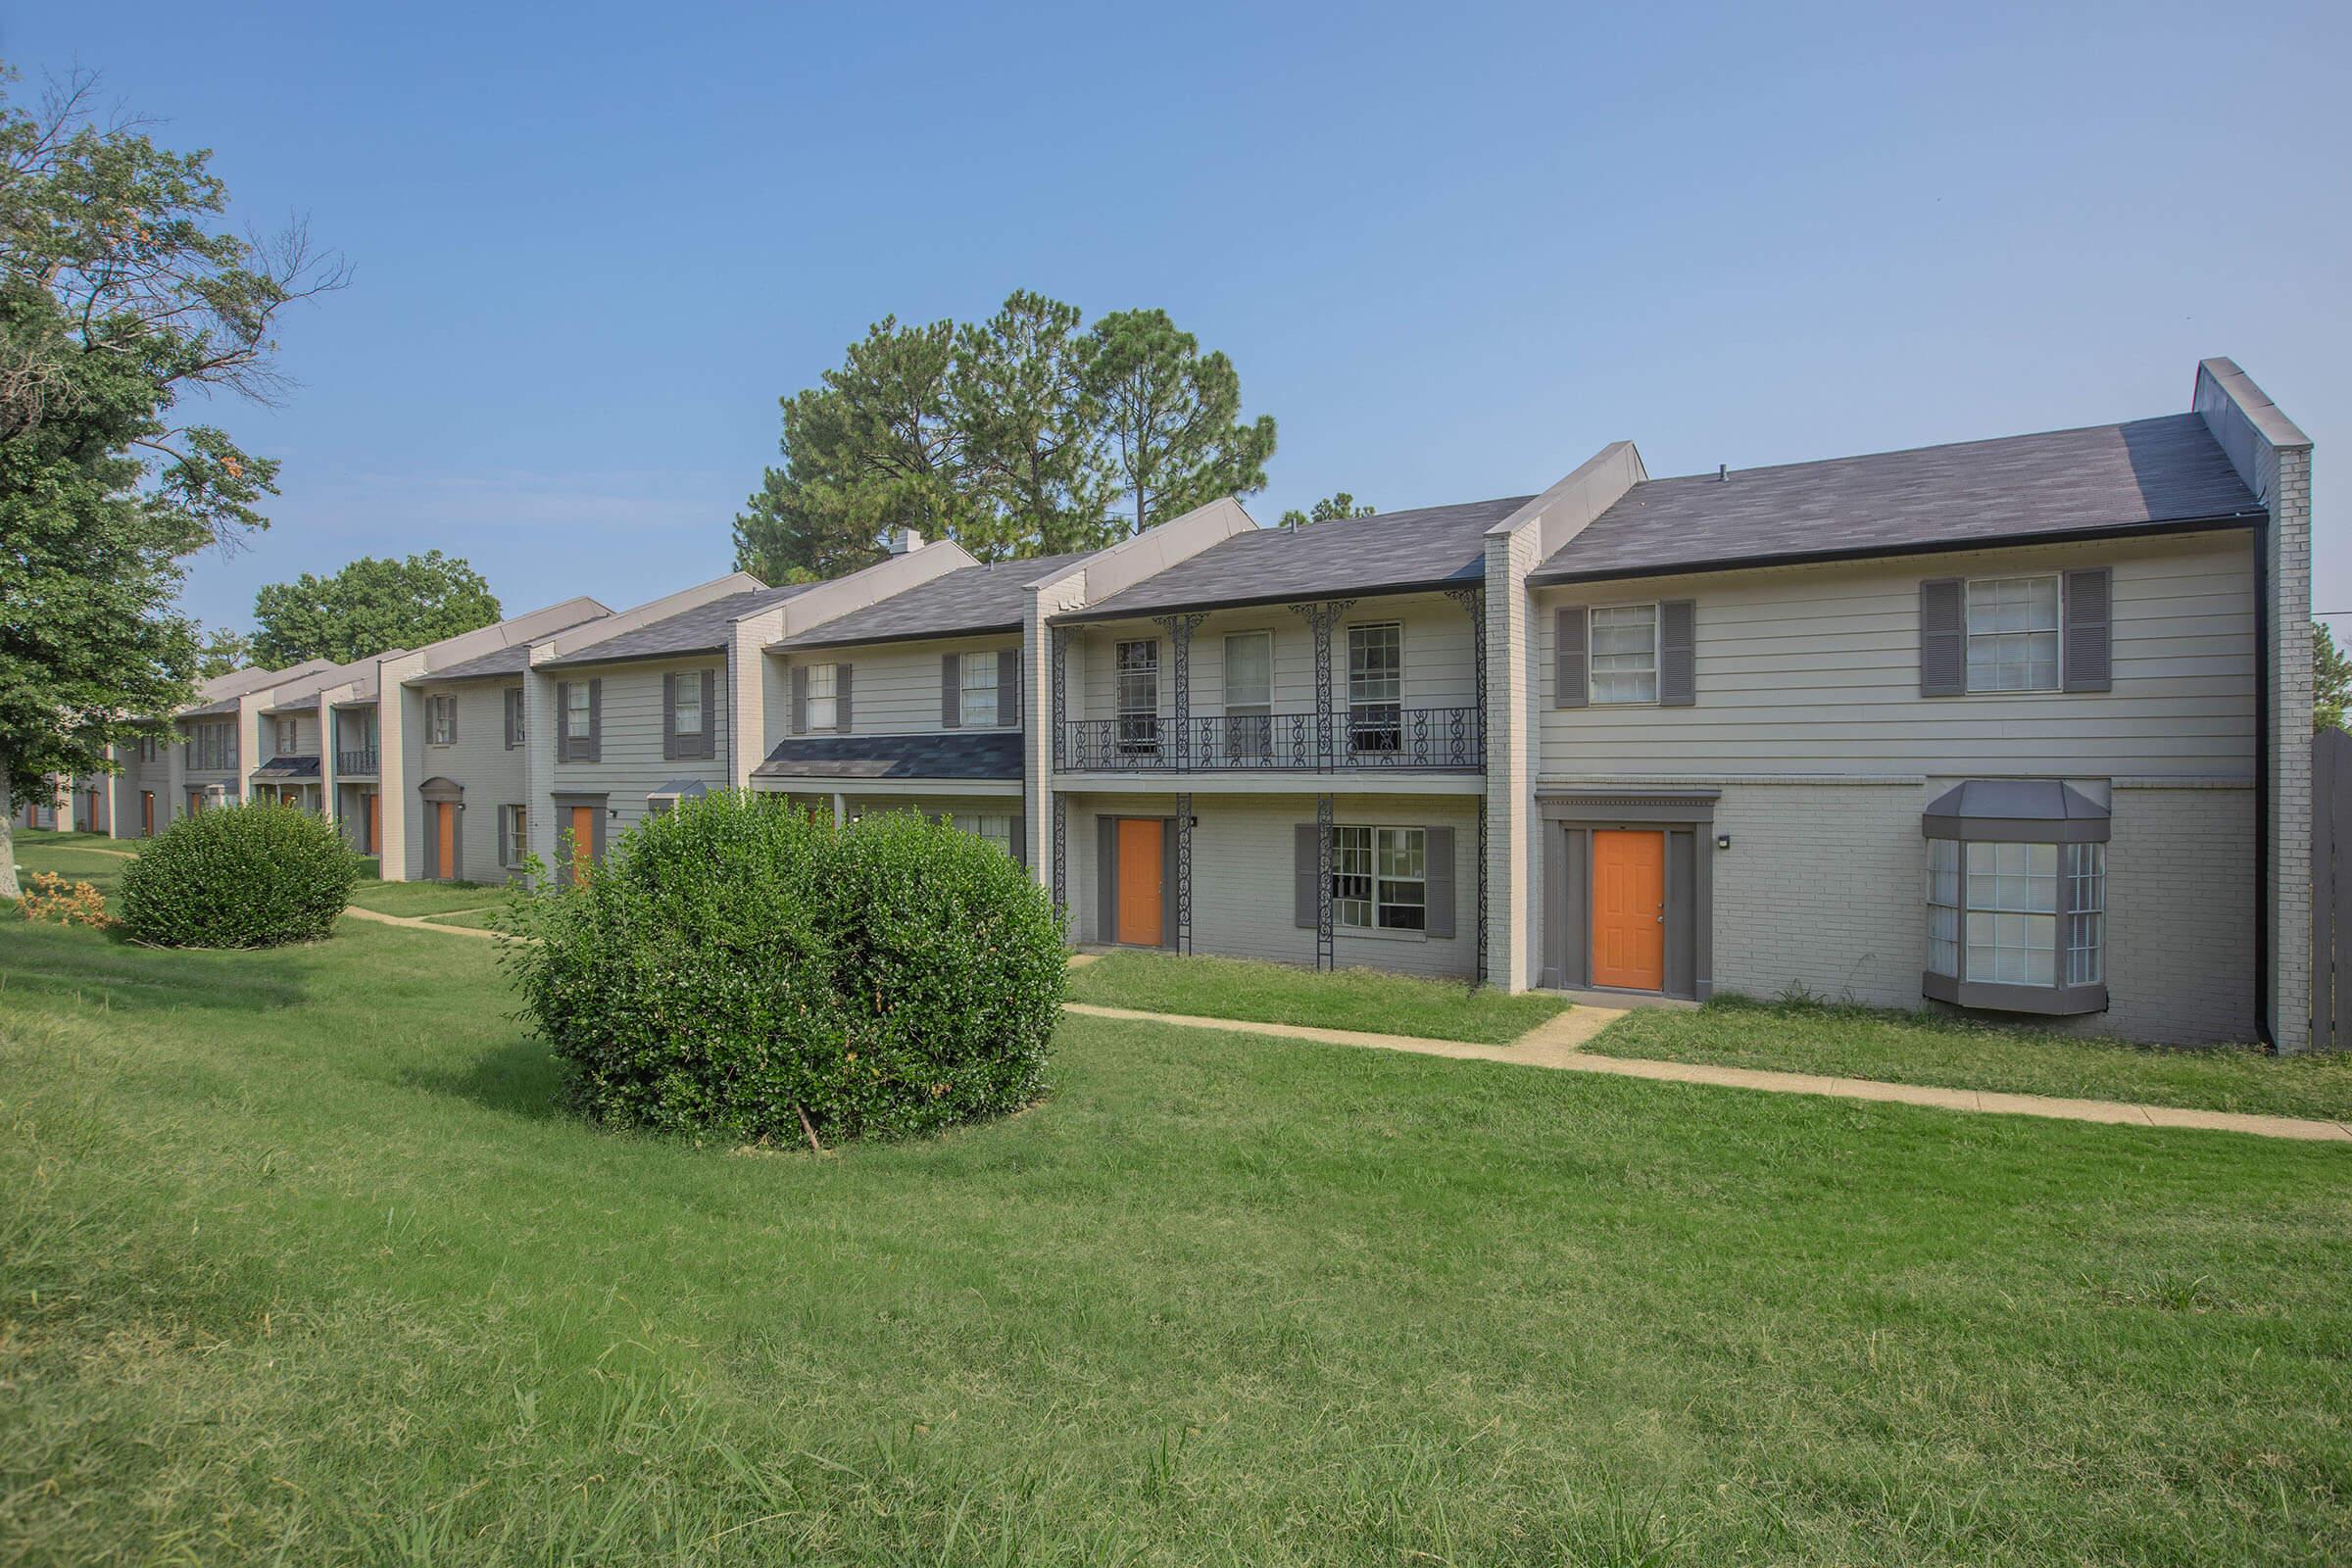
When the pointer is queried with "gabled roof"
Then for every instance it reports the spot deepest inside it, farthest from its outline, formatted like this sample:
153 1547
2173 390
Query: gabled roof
988 754
2016 489
699 630
288 767
304 692
966 602
253 679
1392 552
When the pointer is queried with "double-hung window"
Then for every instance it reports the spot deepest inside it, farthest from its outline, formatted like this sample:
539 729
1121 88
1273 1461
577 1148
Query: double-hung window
579 717
996 828
512 840
1625 653
1250 696
1135 673
686 702
2013 634
287 733
824 696
976 689
441 720
1375 688
1379 878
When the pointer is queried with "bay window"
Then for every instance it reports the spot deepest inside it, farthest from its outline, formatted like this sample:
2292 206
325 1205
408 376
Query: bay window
2017 897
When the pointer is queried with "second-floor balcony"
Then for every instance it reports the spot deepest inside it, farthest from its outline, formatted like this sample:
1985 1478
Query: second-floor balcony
1365 737
355 764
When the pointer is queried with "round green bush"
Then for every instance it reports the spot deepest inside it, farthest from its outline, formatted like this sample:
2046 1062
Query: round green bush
239 876
734 964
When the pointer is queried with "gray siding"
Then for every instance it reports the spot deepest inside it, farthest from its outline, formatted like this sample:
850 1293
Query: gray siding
630 766
895 685
491 774
1815 671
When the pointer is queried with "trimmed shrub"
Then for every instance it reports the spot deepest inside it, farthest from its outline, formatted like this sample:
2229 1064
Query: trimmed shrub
256 875
733 966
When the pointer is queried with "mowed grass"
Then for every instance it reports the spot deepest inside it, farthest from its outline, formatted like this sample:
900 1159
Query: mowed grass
1276 993
1922 1049
46 838
419 898
305 1264
72 863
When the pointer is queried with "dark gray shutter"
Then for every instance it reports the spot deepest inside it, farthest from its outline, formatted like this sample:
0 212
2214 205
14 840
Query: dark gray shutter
2090 630
841 698
1571 656
594 750
670 717
800 699
1107 879
1020 840
1677 653
564 746
1437 867
950 694
710 746
1008 686
1942 638
1306 872
508 699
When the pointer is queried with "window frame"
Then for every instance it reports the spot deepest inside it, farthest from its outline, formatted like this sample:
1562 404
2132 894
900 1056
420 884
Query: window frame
437 707
1373 894
1375 724
513 835
288 737
820 720
2055 631
577 699
1972 905
1593 656
983 659
685 684
1135 725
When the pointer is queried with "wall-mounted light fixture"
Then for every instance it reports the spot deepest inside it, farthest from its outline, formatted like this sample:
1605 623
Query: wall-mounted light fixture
1723 841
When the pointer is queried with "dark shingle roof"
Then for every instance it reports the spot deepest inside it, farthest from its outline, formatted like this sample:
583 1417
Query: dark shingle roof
512 660
959 602
994 753
2065 483
690 631
1390 553
288 767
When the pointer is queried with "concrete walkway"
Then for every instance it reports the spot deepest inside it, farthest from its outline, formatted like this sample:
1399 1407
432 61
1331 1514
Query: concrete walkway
415 924
1557 1045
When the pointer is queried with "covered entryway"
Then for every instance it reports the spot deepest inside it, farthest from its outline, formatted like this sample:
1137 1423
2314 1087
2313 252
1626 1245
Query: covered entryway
1137 890
444 829
1629 891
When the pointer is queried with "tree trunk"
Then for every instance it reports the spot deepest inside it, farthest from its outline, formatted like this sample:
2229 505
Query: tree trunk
8 855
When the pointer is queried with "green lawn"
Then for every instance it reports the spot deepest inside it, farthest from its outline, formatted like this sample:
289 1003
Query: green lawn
416 899
304 1263
101 871
1277 993
479 919
44 837
1921 1048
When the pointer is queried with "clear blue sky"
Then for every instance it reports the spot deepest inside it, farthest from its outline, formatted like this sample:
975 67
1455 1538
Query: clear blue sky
1451 250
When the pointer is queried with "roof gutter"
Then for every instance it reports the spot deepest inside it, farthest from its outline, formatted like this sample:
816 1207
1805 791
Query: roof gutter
1941 547
1296 596
796 645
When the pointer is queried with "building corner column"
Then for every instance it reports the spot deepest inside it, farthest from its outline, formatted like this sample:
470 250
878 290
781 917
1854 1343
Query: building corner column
1511 938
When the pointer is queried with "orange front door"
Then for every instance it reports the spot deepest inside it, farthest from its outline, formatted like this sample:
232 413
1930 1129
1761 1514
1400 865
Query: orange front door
1629 910
376 821
195 801
583 839
446 819
1139 866
146 813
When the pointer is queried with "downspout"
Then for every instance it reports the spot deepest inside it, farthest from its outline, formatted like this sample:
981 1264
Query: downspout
2264 661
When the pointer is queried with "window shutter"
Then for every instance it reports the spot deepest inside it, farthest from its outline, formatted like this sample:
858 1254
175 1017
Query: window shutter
1107 879
513 707
710 746
1677 653
1020 841
800 699
1942 638
1009 687
564 746
950 694
2090 630
593 752
1571 656
841 699
670 717
1306 872
1437 867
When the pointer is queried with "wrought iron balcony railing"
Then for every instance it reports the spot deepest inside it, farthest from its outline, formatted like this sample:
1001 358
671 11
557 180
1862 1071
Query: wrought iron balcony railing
361 762
1367 736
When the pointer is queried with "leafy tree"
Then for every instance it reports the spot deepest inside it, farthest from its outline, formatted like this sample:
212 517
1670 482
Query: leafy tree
1328 509
221 652
1172 416
871 450
1018 436
2331 679
369 607
1033 454
119 297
